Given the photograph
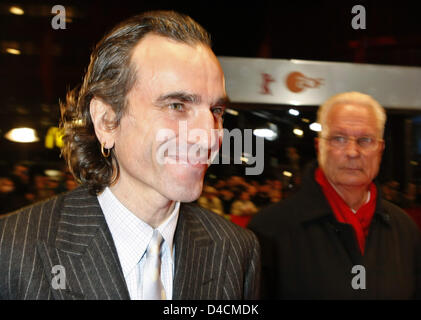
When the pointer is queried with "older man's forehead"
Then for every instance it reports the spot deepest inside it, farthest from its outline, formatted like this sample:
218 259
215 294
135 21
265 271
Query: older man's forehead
349 112
351 117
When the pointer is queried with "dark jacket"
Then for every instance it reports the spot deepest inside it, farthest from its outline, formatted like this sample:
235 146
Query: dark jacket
308 254
214 259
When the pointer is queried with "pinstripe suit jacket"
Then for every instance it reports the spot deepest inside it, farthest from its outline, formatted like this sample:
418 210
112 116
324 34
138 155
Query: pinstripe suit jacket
214 258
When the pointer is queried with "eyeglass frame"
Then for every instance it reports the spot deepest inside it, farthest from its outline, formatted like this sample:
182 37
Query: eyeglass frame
353 138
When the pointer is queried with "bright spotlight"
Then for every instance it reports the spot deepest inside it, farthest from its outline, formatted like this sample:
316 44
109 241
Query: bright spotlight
315 126
265 133
293 112
22 135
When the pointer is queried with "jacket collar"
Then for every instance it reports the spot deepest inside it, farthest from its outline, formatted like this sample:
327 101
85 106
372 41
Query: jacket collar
84 249
200 256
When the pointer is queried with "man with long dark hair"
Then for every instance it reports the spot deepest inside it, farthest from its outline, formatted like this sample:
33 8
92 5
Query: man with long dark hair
139 135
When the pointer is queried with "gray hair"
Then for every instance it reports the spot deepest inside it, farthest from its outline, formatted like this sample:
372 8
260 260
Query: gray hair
353 98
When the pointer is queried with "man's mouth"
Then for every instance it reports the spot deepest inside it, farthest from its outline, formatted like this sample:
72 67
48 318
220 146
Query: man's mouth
352 168
188 160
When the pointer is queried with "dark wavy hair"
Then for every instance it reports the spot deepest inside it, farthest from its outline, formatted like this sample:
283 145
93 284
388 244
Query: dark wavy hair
109 77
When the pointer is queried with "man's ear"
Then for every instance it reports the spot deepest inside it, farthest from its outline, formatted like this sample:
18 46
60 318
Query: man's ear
102 116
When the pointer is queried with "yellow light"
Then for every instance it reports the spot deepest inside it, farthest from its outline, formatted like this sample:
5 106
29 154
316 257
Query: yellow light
54 138
22 135
12 51
16 10
287 174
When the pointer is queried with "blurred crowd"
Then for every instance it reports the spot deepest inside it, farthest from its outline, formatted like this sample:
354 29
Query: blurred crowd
409 199
23 185
237 199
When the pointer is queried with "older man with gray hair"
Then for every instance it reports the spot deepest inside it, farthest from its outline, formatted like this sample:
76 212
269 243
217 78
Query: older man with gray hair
336 238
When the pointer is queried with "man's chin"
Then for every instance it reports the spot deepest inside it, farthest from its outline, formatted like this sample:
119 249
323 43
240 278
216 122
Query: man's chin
354 182
188 199
182 190
186 196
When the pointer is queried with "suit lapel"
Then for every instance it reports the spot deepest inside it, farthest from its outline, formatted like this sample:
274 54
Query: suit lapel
85 250
200 258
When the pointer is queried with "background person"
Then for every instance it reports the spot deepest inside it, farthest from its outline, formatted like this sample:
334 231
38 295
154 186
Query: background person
338 220
10 199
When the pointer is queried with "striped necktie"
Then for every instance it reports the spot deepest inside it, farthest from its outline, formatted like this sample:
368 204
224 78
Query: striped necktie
152 284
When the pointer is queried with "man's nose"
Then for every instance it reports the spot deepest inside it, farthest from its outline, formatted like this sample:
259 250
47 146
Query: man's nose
352 148
203 129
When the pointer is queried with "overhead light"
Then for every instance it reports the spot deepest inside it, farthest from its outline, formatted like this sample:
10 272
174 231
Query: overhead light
305 120
315 126
23 135
293 112
298 132
287 174
266 133
16 10
13 51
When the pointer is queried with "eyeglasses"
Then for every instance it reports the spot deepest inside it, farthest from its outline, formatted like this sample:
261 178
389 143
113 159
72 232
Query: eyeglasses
366 143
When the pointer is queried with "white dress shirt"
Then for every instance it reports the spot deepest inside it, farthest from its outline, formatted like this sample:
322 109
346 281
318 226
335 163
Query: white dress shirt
368 199
131 237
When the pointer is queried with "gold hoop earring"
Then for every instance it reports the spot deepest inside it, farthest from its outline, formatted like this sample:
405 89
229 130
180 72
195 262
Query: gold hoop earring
107 153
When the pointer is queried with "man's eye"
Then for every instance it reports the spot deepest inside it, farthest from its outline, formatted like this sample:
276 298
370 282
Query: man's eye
365 141
339 139
219 111
176 107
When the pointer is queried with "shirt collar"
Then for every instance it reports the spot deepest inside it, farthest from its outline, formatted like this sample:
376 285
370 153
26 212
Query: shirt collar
167 228
131 235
